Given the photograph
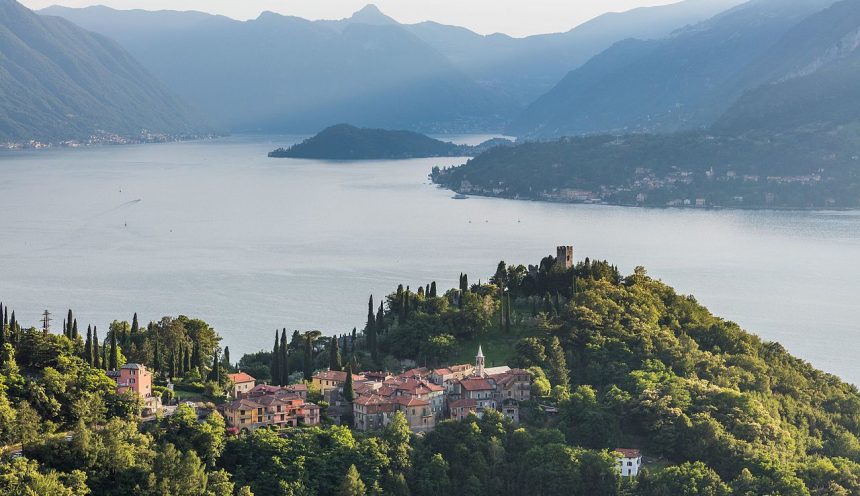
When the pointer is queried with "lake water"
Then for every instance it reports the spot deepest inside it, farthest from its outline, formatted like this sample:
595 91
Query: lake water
219 231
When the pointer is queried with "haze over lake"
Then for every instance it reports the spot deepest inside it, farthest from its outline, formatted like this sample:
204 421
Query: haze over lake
219 231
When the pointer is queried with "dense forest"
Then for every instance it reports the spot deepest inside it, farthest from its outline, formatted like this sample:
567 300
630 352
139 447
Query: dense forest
616 361
757 169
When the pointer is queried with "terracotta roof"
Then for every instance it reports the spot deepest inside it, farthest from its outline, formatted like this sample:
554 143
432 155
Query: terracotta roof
296 387
335 375
465 402
409 401
133 366
416 372
240 377
442 371
628 452
475 384
243 404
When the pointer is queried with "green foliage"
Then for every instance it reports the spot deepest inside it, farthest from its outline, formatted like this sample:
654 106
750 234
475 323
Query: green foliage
352 484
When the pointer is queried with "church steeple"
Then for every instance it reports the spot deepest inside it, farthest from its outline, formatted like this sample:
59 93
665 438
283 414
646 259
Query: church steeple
479 363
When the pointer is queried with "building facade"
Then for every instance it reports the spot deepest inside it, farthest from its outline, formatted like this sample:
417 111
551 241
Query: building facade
136 378
243 383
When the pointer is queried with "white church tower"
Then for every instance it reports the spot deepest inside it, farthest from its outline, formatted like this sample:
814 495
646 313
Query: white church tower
479 363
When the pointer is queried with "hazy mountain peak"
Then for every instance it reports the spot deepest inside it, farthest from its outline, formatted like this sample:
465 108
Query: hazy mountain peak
370 14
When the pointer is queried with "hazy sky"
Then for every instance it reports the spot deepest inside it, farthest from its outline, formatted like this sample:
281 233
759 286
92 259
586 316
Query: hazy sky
514 17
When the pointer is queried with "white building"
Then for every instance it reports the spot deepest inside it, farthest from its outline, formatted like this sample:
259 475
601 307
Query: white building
629 461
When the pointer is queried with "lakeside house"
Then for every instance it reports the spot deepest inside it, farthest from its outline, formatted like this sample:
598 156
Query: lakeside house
136 378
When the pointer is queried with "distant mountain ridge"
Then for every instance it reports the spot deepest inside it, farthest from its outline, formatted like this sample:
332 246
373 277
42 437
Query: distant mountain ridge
347 142
60 82
686 81
285 74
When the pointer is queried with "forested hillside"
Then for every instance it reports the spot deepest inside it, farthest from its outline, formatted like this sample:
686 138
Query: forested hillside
615 361
681 82
60 82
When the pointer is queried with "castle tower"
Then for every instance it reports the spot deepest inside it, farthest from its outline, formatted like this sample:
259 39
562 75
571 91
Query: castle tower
564 255
479 363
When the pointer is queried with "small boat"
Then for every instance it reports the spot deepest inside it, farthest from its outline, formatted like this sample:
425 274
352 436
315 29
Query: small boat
459 196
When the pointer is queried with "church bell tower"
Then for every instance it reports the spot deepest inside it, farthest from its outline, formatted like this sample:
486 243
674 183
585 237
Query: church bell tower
479 363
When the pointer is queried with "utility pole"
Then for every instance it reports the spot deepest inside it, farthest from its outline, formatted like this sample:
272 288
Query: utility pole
46 322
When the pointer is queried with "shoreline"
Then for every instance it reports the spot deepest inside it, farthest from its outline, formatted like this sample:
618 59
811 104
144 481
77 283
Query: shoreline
658 207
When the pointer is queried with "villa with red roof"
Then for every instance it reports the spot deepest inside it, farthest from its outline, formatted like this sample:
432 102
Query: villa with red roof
242 384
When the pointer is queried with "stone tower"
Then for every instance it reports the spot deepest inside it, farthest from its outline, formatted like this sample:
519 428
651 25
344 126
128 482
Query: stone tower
564 256
479 363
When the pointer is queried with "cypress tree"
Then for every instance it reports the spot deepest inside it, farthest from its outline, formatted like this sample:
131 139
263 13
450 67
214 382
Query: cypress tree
433 289
283 360
196 359
187 366
227 356
370 330
156 355
348 393
309 358
68 329
275 368
573 286
334 359
508 311
398 301
114 352
2 329
172 364
104 360
75 334
96 354
380 320
134 325
88 346
406 303
215 373
352 343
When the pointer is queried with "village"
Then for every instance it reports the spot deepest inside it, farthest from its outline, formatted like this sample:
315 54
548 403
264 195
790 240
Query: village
424 396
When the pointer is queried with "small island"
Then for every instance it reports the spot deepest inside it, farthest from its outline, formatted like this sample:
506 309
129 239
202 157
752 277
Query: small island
347 142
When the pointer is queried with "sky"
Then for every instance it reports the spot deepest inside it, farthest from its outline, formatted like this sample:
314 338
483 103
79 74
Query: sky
513 17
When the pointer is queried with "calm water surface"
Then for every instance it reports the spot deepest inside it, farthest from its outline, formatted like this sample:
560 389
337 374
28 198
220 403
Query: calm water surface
218 231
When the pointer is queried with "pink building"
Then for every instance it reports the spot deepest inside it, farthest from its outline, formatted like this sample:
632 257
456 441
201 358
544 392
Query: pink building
134 377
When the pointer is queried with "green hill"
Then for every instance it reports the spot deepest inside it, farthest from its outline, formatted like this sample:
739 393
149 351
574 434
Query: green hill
346 142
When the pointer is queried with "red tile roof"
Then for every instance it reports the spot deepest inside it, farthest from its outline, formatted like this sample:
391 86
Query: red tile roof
409 401
335 375
240 377
629 452
475 384
465 402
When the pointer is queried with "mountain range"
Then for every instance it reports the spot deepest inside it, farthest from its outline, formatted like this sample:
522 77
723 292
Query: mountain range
688 80
60 82
286 74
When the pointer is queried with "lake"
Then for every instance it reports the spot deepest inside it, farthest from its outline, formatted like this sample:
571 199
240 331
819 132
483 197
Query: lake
219 231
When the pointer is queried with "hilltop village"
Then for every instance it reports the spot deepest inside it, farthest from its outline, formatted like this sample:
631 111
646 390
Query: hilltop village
370 399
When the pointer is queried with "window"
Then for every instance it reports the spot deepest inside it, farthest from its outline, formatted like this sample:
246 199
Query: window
629 464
